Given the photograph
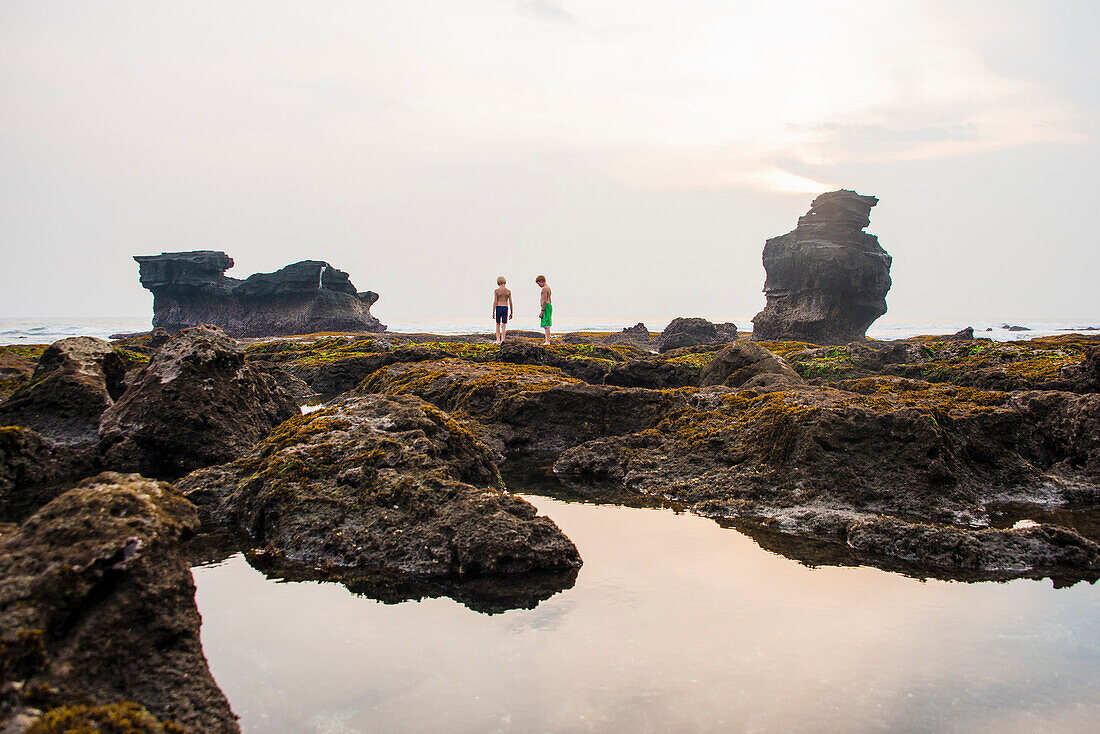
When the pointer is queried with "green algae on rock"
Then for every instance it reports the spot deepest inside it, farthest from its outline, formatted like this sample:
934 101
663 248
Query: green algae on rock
860 450
386 482
527 409
197 403
97 609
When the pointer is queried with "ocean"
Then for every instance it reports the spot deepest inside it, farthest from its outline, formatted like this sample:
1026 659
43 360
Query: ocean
48 330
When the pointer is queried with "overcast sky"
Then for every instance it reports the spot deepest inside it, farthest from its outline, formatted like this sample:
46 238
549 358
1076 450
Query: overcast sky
637 153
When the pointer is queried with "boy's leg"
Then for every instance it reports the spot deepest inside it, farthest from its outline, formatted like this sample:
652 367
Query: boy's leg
547 342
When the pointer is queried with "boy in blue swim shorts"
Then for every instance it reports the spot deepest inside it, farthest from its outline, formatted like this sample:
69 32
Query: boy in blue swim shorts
502 308
546 309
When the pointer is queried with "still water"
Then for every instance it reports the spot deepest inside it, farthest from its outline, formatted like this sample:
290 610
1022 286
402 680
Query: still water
674 624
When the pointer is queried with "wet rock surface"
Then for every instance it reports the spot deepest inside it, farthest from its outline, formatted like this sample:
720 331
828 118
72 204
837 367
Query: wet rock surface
827 279
898 454
385 483
33 470
190 288
197 403
97 613
74 382
885 453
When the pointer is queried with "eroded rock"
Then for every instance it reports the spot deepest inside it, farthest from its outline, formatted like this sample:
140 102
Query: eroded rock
97 608
74 382
741 361
827 279
692 332
197 403
383 482
190 288
523 408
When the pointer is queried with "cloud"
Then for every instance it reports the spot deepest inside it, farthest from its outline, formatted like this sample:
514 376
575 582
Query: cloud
545 10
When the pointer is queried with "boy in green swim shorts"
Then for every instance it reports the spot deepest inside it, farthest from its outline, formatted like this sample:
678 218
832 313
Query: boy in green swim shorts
546 309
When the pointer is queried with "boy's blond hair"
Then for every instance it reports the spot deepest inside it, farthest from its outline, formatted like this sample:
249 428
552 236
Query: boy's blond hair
501 280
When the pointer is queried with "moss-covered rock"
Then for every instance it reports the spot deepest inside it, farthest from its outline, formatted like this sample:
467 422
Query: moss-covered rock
390 483
119 718
1047 363
859 450
197 403
74 382
97 609
741 361
896 445
528 409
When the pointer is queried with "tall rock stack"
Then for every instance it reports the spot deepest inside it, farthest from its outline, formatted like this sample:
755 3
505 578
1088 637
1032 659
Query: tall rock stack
190 288
827 280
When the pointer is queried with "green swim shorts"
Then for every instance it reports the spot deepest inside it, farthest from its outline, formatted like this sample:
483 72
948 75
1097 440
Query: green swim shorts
546 311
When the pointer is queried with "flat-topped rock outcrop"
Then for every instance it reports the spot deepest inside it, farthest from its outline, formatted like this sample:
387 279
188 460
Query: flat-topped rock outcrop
827 279
191 288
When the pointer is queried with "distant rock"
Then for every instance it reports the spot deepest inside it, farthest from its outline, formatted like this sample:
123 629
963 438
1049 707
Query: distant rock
638 331
190 288
962 334
97 612
693 332
158 338
1014 327
197 403
827 279
75 380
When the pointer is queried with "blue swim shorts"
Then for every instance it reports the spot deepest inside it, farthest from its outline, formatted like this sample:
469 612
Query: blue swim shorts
502 314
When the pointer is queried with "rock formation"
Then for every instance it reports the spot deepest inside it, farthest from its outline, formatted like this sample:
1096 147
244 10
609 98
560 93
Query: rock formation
743 361
97 614
693 332
384 482
76 379
190 288
196 404
827 279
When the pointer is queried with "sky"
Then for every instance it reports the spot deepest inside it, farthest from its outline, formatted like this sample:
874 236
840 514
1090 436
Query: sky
636 153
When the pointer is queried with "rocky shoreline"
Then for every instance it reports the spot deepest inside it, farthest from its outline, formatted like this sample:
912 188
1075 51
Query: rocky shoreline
907 455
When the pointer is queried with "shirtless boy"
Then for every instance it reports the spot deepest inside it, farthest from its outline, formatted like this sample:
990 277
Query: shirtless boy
502 308
546 309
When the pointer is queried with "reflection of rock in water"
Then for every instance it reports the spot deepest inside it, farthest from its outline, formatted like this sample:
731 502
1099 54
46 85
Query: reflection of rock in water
214 546
1059 545
525 476
815 552
486 594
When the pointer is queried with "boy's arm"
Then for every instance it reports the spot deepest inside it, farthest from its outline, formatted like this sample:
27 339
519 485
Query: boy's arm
511 308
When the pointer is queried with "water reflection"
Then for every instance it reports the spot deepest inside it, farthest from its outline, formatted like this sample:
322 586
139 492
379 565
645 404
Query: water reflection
813 551
673 624
488 595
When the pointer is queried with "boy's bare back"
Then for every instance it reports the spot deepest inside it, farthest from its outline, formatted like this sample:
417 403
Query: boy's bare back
502 295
